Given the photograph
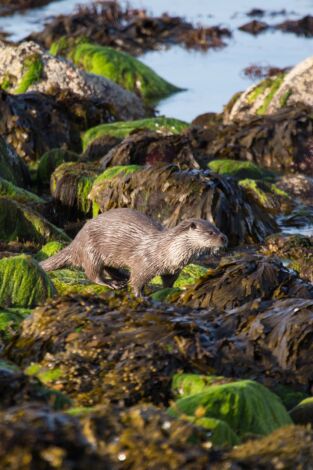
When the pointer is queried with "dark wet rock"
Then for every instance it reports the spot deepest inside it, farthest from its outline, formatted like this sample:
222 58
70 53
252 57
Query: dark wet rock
287 448
144 437
23 283
254 27
150 148
156 190
256 12
34 437
12 167
207 120
296 249
19 222
281 141
299 186
97 99
50 161
130 30
16 388
71 183
99 147
289 87
301 27
300 218
256 72
112 348
238 280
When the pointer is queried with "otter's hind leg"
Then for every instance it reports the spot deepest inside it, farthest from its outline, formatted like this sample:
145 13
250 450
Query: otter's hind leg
169 279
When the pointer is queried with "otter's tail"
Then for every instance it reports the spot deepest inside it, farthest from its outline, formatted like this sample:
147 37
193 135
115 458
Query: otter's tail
57 261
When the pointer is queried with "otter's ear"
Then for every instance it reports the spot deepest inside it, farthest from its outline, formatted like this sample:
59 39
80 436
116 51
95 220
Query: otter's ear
193 225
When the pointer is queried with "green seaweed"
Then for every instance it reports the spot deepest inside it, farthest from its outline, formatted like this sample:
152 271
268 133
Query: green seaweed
184 385
32 72
113 171
259 90
162 295
263 192
240 169
14 192
71 282
121 68
247 406
221 433
122 129
49 249
274 87
23 283
188 276
283 100
10 318
45 375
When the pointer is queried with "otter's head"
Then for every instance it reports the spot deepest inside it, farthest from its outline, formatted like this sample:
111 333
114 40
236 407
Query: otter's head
200 235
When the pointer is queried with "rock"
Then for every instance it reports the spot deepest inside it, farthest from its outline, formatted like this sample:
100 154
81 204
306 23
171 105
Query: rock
246 406
301 27
34 436
99 347
274 93
59 76
150 148
12 167
9 190
21 223
268 196
281 141
10 319
10 6
288 448
120 67
303 412
50 161
99 147
297 250
238 280
23 282
49 249
162 125
74 282
299 186
192 193
71 183
254 27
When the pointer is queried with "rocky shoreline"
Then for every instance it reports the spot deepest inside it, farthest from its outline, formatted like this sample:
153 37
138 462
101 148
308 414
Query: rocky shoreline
215 372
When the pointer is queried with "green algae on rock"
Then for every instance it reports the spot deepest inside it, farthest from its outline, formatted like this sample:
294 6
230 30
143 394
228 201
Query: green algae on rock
23 282
74 282
71 183
122 129
184 385
32 72
188 275
240 169
303 412
21 223
12 167
121 68
10 318
246 406
49 249
8 189
155 190
267 195
51 160
221 434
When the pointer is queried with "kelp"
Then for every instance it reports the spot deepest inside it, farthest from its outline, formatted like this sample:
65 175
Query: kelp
10 190
240 169
156 190
240 279
12 167
50 160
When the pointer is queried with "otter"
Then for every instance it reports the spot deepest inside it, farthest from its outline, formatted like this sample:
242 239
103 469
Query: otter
125 239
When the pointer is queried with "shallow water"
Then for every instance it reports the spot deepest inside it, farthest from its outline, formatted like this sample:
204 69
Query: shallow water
212 77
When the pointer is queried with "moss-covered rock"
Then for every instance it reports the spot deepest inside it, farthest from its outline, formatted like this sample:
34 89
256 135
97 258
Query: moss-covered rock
51 160
267 195
8 189
71 183
121 68
161 124
303 412
247 407
74 282
155 190
21 223
49 249
23 282
184 385
188 275
240 169
221 434
10 318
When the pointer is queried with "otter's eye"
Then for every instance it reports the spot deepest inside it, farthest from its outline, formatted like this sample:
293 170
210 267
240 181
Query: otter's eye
211 233
193 225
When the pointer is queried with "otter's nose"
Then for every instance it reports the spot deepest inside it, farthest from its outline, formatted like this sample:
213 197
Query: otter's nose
224 239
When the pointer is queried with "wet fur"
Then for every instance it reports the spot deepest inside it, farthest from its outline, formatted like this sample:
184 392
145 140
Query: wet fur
127 239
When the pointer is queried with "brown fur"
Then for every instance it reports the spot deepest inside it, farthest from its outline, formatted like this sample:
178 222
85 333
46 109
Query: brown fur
126 239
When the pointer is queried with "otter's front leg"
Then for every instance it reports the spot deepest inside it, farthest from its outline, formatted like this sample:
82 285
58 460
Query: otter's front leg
169 279
138 281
